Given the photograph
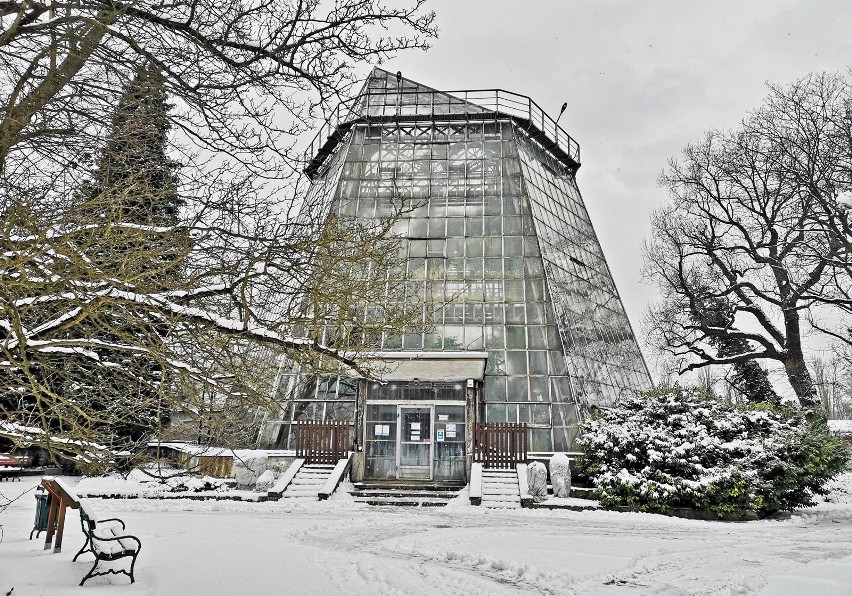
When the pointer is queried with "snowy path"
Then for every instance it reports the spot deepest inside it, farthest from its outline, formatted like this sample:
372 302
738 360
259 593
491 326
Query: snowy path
231 548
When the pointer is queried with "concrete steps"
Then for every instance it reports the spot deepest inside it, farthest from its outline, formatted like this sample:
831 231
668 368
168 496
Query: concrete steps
500 489
405 493
308 482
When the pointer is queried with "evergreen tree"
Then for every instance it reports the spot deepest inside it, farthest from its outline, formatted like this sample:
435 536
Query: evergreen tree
246 102
122 227
133 202
135 183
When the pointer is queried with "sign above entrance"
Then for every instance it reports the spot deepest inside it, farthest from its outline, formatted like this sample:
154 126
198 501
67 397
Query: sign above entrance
428 366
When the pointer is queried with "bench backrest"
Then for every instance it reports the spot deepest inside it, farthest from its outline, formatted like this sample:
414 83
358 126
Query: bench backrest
89 511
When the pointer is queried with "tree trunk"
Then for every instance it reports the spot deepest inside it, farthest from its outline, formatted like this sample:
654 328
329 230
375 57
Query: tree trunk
801 381
21 111
794 363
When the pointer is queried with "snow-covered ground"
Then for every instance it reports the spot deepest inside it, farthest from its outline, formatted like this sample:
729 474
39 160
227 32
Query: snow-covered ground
232 548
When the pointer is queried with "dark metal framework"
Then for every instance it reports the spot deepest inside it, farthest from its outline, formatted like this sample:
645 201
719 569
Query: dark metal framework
373 106
501 257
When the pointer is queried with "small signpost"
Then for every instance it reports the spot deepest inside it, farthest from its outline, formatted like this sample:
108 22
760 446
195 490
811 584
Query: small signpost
61 497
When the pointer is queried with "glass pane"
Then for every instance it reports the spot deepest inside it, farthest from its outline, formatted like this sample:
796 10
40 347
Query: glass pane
495 413
539 439
415 425
495 389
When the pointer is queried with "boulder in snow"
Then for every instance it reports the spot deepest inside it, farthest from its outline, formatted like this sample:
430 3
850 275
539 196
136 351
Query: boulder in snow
264 482
560 475
537 481
247 469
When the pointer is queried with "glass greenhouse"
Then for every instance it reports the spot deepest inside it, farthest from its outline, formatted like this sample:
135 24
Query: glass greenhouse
525 324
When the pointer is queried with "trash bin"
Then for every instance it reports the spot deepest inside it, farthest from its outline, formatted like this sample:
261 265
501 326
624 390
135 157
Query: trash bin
42 512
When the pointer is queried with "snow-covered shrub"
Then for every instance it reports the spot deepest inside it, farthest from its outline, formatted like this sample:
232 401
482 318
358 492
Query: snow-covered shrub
560 475
248 468
191 484
265 481
537 481
677 447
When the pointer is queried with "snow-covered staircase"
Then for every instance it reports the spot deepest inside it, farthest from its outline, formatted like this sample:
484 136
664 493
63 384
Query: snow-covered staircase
308 482
500 489
402 493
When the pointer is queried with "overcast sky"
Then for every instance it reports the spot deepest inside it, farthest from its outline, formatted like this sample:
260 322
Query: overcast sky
641 78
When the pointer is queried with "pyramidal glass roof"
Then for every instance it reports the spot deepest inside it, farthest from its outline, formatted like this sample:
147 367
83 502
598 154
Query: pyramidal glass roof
389 97
387 94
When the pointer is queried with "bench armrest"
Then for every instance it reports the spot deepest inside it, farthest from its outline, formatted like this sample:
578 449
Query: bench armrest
111 519
122 540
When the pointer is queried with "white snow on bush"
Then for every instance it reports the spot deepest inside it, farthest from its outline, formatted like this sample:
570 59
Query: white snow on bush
264 482
560 475
247 469
678 448
138 484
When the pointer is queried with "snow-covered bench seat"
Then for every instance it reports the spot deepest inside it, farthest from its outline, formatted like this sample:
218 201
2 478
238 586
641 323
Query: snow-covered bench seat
107 540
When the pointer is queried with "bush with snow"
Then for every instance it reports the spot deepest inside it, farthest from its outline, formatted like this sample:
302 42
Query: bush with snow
248 468
265 481
678 447
537 481
560 475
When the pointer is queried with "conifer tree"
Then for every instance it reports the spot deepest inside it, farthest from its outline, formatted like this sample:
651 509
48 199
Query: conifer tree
90 290
135 182
133 204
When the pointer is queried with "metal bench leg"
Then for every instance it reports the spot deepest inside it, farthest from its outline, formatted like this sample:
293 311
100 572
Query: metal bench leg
90 574
112 571
86 548
133 564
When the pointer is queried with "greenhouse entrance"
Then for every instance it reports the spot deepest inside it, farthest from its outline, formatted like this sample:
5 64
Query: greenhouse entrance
414 446
420 438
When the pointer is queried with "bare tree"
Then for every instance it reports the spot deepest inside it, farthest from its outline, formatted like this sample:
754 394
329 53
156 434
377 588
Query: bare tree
757 220
236 268
236 71
833 380
61 306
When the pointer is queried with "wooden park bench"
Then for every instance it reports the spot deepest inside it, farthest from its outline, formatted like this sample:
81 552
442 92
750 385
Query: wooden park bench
106 539
11 466
10 473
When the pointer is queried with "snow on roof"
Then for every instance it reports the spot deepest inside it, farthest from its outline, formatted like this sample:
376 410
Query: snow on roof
210 451
841 427
196 450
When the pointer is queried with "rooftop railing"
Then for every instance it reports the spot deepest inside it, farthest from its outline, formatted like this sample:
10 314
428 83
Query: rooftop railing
417 104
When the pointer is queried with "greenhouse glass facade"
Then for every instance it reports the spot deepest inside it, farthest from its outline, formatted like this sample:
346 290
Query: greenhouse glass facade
503 258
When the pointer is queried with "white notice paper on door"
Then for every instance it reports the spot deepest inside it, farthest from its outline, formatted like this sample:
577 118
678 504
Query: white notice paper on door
415 426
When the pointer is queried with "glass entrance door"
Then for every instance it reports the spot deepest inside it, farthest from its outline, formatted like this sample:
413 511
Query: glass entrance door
415 442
